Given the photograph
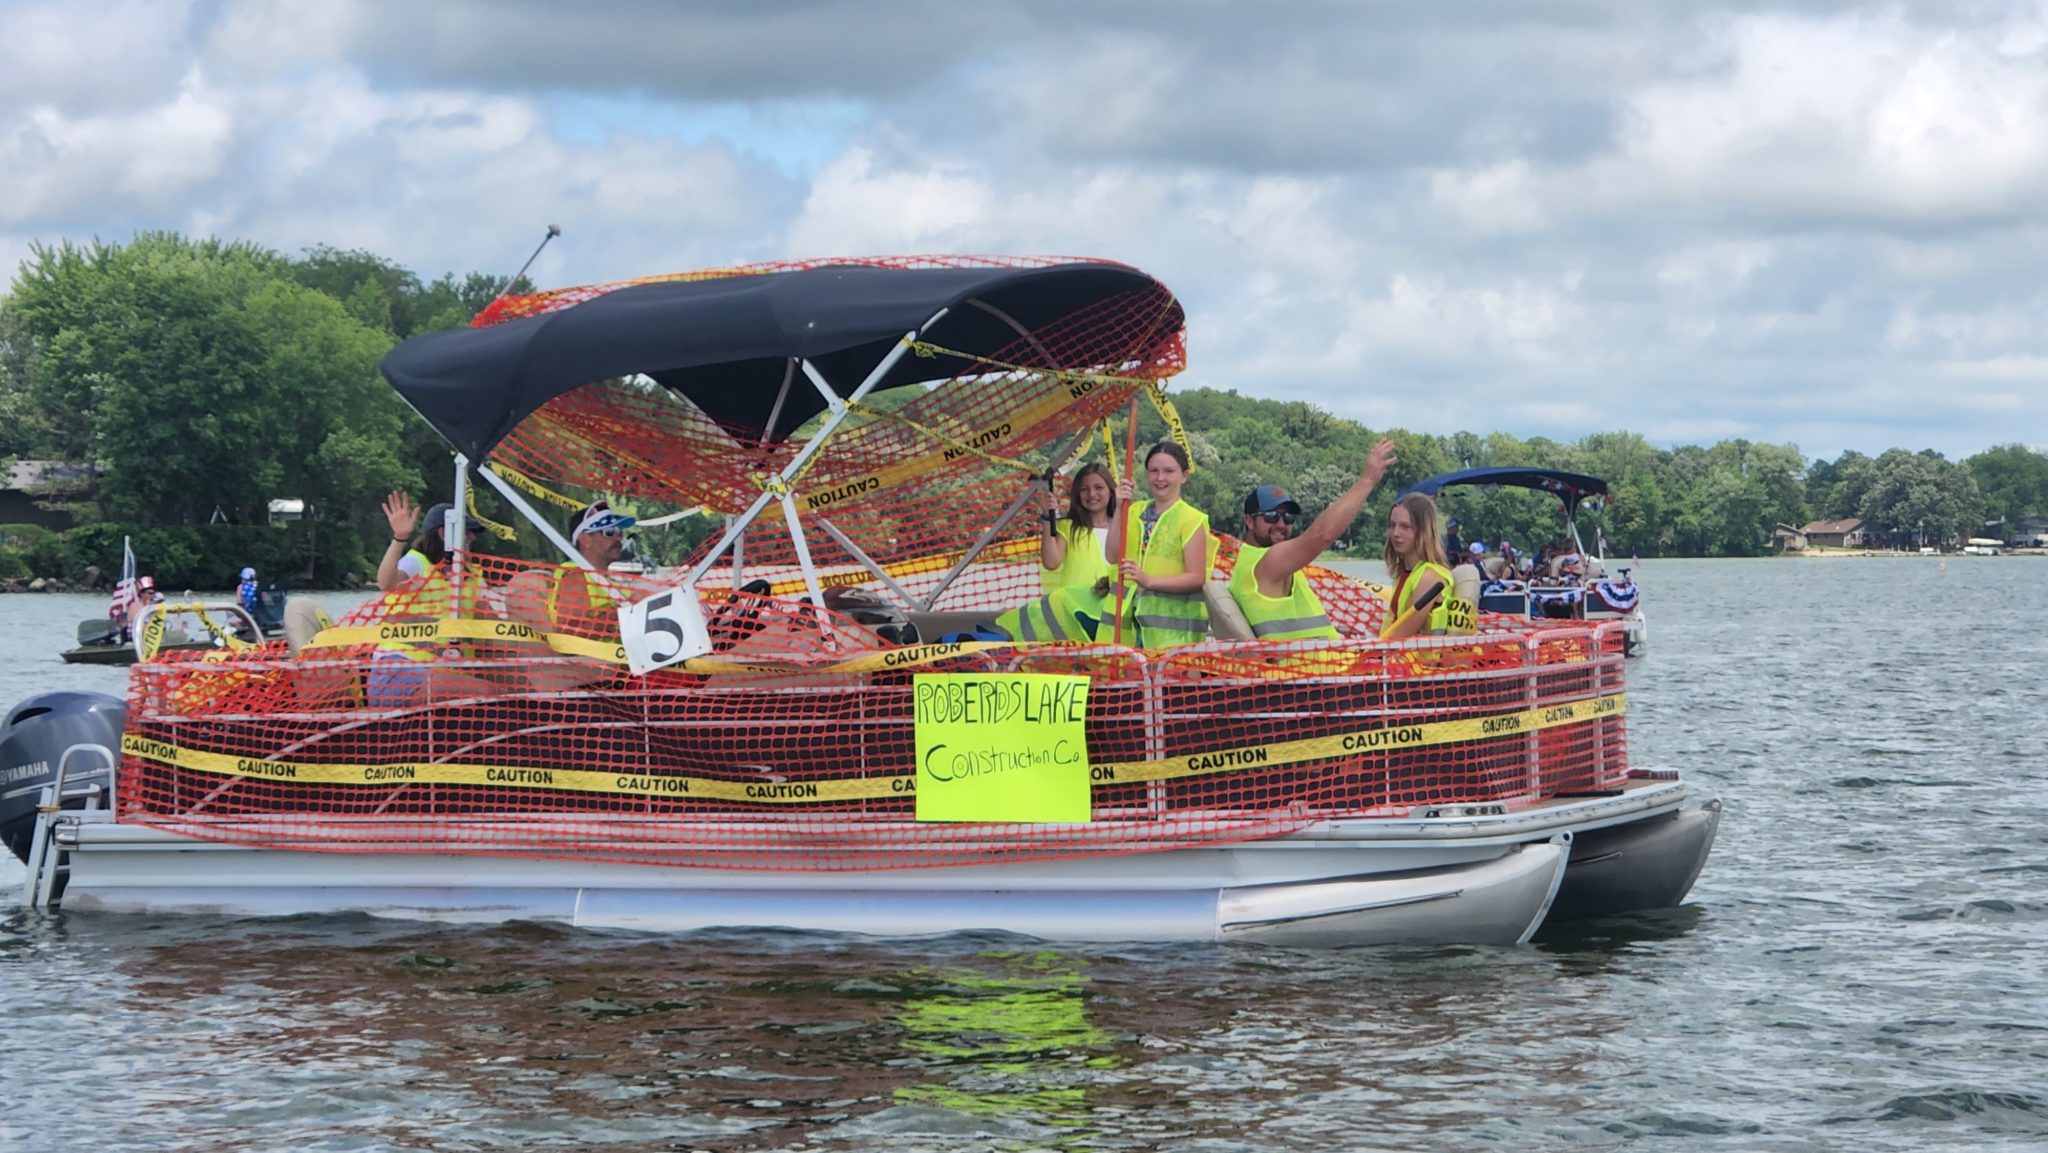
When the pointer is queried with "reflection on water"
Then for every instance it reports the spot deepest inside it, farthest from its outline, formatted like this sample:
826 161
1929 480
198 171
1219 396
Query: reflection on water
1861 968
1004 1039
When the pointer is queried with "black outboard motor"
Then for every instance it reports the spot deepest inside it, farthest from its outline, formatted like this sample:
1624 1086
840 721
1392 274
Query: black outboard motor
32 742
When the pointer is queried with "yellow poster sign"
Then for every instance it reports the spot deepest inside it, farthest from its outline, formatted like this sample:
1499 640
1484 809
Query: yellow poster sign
1001 747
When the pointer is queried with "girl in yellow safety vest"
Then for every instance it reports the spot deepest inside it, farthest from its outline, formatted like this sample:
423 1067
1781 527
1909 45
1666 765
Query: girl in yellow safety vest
1166 554
1416 562
413 578
1075 557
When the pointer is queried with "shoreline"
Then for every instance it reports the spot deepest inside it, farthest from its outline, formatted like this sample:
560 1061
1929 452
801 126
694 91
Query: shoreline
1889 554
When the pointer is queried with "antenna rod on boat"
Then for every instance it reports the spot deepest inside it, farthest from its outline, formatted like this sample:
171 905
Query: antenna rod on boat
553 231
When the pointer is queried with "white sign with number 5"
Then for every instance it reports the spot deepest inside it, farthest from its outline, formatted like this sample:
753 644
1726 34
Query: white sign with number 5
663 629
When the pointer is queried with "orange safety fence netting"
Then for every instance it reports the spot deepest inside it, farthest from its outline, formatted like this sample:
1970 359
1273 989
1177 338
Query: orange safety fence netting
791 745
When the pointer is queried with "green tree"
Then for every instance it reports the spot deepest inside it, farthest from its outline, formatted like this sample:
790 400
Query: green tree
1921 496
142 360
2012 479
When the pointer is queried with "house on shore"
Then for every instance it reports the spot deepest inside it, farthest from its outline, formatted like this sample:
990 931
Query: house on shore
35 486
1846 533
1785 538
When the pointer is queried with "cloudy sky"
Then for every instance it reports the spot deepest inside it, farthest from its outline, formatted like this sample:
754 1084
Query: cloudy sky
1804 222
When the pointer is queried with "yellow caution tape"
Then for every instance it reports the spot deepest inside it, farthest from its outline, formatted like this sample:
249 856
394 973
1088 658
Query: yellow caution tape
1337 746
1167 413
611 652
1009 550
954 448
501 531
1012 427
568 780
1392 738
532 487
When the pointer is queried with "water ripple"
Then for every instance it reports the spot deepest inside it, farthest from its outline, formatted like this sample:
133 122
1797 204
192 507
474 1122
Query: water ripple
1859 968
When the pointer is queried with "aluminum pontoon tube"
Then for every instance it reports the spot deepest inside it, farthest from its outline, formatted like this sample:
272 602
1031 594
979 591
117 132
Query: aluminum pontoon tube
1497 902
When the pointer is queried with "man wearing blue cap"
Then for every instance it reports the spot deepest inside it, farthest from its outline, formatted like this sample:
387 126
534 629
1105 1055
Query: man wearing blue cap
1266 582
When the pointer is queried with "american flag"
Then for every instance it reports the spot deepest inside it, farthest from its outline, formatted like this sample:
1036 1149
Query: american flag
124 591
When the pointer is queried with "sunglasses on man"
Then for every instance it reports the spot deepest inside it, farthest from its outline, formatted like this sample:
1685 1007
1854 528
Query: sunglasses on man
1277 516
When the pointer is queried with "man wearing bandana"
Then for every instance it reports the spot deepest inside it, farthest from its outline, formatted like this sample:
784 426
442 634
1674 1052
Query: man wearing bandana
572 599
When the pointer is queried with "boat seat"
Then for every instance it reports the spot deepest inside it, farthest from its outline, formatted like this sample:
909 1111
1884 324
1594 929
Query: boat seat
1226 619
933 625
302 620
1465 583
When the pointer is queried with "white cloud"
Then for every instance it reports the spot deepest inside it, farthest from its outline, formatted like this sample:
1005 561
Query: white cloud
856 207
92 60
1792 221
56 162
1499 198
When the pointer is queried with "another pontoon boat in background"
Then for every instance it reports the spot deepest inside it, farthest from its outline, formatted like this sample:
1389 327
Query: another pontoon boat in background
1590 594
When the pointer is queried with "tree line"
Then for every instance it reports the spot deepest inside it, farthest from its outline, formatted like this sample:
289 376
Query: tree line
207 377
1723 500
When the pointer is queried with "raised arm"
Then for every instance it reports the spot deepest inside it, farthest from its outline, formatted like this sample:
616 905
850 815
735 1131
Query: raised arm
1299 551
403 516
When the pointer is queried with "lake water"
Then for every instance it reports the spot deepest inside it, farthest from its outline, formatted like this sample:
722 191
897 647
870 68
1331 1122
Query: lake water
1863 965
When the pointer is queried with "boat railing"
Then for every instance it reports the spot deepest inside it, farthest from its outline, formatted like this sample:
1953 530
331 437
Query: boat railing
1268 734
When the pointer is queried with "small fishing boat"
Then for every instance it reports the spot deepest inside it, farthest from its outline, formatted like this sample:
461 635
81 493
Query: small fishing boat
1581 585
769 735
185 626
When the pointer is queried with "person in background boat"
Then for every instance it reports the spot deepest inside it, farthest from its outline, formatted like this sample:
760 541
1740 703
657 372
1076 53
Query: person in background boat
1454 544
1076 557
1266 582
1166 554
1571 570
128 604
1415 561
568 597
247 592
1503 577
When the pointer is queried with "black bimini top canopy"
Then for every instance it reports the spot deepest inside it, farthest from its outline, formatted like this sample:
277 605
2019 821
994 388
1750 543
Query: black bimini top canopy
728 343
1571 487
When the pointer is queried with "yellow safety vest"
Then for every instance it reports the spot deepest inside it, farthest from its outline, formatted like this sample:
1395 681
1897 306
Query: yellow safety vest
1049 618
1081 570
1297 616
1166 619
1450 614
424 598
596 593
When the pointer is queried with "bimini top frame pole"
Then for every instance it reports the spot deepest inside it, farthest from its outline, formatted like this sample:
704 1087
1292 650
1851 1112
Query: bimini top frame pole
777 489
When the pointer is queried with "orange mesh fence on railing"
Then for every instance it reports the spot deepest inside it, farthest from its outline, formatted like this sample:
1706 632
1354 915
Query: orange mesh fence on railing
791 745
489 709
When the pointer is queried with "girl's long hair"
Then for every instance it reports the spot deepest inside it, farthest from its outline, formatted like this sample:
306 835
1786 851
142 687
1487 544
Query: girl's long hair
430 545
1078 520
1429 538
